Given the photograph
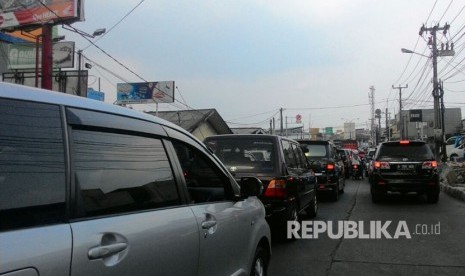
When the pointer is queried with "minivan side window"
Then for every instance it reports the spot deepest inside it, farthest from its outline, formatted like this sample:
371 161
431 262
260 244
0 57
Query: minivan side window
118 173
289 156
204 181
32 165
302 160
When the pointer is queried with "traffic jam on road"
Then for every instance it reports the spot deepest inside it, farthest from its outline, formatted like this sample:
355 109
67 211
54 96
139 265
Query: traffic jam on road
130 179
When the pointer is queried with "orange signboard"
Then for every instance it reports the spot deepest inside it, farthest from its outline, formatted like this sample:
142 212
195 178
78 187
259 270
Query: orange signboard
15 14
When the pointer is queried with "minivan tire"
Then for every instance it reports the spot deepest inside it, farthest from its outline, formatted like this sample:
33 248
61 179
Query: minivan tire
335 193
312 210
260 263
432 198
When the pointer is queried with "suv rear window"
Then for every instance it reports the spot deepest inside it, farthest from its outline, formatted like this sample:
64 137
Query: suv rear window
411 151
244 154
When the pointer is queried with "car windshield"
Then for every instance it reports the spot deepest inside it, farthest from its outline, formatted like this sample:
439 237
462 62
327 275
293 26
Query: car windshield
405 152
244 154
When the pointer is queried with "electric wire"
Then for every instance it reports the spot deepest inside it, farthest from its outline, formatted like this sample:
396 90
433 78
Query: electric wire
117 23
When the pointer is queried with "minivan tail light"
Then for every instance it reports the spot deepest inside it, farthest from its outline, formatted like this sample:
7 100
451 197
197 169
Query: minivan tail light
382 165
429 165
276 189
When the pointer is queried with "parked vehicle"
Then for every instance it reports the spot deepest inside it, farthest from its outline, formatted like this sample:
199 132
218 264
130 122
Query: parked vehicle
290 184
328 166
88 188
458 152
404 166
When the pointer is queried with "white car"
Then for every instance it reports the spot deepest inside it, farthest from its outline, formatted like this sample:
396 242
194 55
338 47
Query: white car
458 152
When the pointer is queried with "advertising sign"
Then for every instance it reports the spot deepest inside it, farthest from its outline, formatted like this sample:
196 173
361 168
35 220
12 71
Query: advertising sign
416 115
298 119
23 55
95 95
145 92
16 13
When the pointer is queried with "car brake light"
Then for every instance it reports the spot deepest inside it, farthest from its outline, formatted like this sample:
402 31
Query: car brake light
355 166
429 165
404 142
382 165
330 167
276 189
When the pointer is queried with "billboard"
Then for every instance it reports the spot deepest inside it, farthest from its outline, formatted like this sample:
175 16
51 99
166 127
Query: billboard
18 13
145 92
23 55
415 115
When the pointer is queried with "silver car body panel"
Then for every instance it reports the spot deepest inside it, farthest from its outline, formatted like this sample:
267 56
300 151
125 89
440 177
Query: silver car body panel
158 242
46 250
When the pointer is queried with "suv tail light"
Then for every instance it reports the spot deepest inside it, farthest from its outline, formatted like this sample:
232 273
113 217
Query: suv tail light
330 166
382 165
276 189
429 165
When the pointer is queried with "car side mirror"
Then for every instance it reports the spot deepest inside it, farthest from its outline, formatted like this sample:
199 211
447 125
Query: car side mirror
251 186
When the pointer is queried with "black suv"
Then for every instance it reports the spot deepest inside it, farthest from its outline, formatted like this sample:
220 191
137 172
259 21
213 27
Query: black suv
404 166
327 163
280 163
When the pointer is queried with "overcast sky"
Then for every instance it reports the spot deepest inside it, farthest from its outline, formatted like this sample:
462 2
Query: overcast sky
248 59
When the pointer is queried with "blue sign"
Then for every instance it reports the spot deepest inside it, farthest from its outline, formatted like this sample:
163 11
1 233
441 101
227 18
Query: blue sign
95 95
145 92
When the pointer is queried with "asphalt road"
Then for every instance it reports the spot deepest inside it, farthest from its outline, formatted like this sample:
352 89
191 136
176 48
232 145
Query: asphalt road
441 252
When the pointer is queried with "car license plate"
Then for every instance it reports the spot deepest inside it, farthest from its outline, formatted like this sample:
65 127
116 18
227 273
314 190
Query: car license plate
406 167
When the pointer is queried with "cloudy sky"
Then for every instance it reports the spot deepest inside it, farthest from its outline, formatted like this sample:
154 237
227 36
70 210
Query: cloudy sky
249 58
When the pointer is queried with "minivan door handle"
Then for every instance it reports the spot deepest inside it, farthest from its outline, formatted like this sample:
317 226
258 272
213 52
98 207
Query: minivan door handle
106 250
208 224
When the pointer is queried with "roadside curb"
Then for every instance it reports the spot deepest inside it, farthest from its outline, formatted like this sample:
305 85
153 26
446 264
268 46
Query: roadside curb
456 192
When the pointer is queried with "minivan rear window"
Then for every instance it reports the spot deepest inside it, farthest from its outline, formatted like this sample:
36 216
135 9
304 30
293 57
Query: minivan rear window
244 154
412 151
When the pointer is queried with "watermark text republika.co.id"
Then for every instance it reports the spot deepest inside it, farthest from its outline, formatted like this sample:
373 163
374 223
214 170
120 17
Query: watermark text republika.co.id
347 229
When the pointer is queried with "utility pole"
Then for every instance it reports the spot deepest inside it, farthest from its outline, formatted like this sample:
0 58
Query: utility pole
387 125
47 56
79 75
281 120
438 125
371 97
402 134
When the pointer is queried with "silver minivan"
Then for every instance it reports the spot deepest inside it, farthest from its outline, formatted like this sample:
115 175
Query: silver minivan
88 188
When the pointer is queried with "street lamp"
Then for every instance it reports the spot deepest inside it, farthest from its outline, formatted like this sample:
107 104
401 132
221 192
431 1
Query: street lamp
407 51
97 32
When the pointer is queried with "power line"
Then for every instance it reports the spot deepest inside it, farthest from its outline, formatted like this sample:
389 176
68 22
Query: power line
117 23
450 3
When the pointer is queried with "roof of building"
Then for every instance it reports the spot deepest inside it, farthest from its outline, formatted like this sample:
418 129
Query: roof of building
191 119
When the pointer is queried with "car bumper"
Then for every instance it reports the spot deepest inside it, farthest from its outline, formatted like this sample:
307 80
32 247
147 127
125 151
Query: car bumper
421 185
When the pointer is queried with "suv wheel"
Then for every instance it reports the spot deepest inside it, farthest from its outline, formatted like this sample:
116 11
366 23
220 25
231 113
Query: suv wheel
335 193
312 210
432 198
376 197
259 264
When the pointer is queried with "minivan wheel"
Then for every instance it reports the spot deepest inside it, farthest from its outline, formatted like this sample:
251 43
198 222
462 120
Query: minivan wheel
259 263
376 197
432 198
312 210
335 195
